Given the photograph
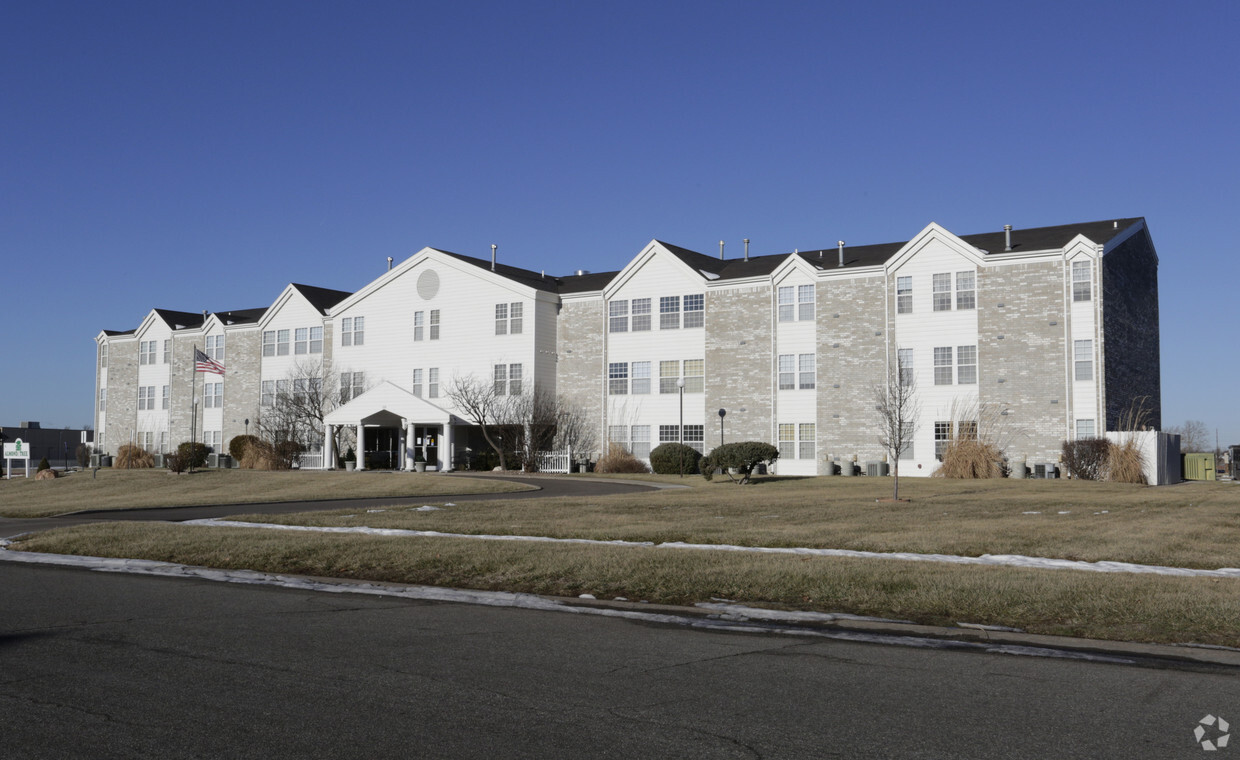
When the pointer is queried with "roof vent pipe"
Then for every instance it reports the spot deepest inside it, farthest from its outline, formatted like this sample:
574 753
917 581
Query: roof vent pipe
746 249
841 245
493 247
721 250
389 263
1007 237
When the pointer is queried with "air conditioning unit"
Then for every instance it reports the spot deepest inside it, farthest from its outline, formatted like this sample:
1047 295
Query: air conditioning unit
1039 471
213 460
876 469
159 460
1052 471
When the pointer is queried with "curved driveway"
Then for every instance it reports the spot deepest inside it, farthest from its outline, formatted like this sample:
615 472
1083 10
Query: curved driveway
549 487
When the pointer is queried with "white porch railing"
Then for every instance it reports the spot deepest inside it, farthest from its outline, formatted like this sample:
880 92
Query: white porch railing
310 461
555 461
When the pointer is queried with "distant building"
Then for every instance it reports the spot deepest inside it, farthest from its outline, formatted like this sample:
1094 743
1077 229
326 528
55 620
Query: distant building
59 445
1055 326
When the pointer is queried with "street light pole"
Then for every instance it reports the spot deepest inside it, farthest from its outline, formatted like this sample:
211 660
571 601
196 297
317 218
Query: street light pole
680 454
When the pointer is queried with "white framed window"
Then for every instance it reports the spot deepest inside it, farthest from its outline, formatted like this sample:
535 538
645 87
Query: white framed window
514 379
1083 354
787 441
904 357
787 303
695 375
618 316
669 374
807 441
966 365
212 395
434 324
617 378
301 390
212 439
515 321
641 378
165 397
144 399
168 350
163 442
619 435
215 348
316 340
103 355
282 342
807 371
941 287
146 352
1081 281
695 436
669 433
669 313
269 342
966 290
351 385
282 390
695 310
787 372
805 302
301 340
907 451
103 399
942 437
943 365
641 315
353 331
1085 429
417 382
904 295
418 327
639 446
501 319
432 382
268 396
500 379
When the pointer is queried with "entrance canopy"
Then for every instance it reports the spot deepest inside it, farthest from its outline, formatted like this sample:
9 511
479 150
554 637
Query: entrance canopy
386 405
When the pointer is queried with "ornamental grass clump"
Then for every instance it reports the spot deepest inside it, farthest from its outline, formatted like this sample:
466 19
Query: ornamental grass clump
133 457
619 460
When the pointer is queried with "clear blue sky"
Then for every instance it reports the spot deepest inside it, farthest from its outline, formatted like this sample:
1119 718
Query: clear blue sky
201 155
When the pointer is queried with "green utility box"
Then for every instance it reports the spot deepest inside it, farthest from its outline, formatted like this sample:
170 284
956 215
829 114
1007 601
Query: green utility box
1199 467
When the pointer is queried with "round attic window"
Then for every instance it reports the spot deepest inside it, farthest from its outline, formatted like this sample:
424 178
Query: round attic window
428 284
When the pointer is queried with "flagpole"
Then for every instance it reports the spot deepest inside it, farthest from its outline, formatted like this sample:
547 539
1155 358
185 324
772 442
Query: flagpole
193 408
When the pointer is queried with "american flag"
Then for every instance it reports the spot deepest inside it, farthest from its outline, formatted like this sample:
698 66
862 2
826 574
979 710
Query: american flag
204 363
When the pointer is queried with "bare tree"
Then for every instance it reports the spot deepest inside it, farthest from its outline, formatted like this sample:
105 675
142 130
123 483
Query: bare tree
1194 436
302 399
898 409
574 430
478 401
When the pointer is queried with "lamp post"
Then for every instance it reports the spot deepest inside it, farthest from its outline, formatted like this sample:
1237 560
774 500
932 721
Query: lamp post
680 430
722 412
247 425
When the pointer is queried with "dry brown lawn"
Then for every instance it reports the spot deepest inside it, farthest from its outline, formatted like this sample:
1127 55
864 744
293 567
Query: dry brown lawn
136 489
1189 525
1117 607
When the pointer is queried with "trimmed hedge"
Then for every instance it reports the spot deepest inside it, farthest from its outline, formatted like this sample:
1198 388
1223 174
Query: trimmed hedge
668 458
743 457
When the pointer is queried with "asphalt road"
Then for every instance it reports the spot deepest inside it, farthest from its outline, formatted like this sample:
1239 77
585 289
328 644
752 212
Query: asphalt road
548 487
100 665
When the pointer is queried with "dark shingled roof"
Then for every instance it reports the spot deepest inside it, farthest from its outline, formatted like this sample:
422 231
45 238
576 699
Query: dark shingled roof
180 320
534 280
321 298
241 316
585 283
114 333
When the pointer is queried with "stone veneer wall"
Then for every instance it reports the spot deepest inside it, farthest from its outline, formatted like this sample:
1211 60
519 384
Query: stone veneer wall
121 416
852 360
1131 364
1020 355
738 362
183 381
242 383
579 352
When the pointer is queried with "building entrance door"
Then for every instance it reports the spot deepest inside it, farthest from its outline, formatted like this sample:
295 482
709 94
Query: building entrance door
426 441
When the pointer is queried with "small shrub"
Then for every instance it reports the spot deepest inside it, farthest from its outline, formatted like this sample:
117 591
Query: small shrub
43 465
194 453
1087 459
175 462
744 457
970 458
619 460
238 445
83 455
669 458
133 457
265 455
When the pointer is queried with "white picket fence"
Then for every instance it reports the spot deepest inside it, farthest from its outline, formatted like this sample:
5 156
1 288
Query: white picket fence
308 461
555 461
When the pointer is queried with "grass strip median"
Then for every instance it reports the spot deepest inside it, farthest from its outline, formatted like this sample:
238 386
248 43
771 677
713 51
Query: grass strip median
1117 607
139 489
